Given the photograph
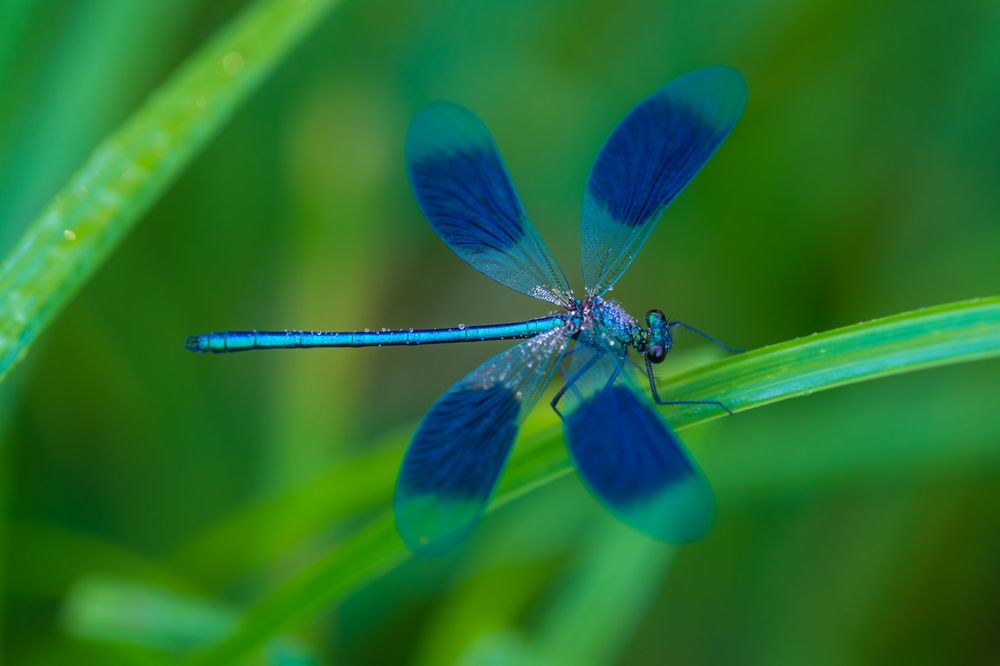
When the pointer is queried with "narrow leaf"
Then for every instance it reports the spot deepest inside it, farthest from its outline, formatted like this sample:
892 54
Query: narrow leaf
934 336
131 168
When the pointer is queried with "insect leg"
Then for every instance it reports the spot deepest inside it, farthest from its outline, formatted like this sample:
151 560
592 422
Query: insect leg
572 380
705 335
614 375
657 400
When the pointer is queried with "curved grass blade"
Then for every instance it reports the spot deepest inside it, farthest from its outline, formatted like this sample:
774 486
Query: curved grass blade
131 168
370 553
946 334
348 489
939 335
612 581
155 620
53 119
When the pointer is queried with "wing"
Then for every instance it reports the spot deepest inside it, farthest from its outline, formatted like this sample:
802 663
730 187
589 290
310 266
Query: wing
648 160
465 192
626 454
459 450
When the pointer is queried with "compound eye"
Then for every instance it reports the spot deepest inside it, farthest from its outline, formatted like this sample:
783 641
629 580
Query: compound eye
656 354
654 314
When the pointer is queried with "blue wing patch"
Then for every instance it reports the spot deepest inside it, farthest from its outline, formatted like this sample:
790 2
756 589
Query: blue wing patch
452 466
630 459
627 455
434 466
460 182
649 158
464 190
456 457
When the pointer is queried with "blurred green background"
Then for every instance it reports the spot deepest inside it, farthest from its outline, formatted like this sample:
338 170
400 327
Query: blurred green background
856 526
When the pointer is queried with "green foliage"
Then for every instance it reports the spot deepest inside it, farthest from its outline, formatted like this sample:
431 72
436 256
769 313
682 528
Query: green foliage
945 334
132 168
241 503
123 611
138 615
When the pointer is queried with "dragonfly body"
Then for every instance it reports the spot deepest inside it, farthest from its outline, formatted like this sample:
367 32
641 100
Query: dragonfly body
622 449
234 341
621 328
581 315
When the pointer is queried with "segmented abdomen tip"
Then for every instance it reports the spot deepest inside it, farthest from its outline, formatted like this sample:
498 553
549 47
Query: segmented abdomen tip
196 343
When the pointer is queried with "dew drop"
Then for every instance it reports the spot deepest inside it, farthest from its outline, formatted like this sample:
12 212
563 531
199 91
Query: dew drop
461 327
367 330
232 63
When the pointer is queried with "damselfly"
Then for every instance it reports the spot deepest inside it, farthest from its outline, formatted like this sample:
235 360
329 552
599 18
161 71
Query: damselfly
623 450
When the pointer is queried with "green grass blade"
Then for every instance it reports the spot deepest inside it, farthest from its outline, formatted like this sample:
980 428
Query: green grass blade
108 609
370 553
118 611
131 168
946 334
349 488
53 118
606 591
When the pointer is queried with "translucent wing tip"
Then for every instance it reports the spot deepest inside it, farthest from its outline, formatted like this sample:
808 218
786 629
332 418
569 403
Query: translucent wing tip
717 94
431 527
681 514
725 77
441 127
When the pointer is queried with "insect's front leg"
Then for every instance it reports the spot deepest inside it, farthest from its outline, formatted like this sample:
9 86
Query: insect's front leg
715 341
659 401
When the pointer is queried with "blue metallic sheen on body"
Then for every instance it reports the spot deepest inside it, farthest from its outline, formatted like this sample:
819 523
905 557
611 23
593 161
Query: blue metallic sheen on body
235 341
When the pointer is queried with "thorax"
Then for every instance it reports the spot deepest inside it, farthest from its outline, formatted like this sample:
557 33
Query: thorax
605 317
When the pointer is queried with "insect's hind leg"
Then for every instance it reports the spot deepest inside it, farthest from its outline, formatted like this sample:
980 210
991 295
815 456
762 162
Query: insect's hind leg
562 367
660 401
565 375
579 373
570 381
